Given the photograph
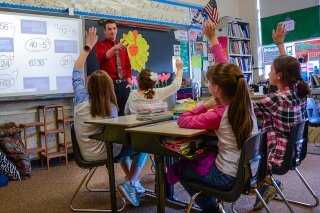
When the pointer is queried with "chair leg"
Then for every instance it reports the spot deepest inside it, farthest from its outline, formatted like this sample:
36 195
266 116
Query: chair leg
192 200
281 195
309 189
153 165
220 206
262 200
90 172
92 189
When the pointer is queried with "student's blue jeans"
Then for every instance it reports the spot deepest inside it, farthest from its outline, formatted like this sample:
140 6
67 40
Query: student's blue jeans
214 178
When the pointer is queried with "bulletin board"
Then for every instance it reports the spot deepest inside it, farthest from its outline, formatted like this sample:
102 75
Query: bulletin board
161 47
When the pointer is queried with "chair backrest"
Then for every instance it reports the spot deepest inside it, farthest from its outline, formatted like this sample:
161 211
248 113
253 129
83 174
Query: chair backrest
77 154
296 148
252 164
312 108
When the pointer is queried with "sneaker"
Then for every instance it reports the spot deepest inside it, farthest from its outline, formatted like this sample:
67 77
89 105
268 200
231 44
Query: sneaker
139 187
267 192
129 192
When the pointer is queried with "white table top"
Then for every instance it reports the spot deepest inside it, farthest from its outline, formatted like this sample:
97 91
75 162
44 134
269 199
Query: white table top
123 121
167 128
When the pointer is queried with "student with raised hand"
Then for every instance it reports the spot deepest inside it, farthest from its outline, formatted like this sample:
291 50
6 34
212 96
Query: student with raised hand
99 101
231 97
144 95
146 92
281 110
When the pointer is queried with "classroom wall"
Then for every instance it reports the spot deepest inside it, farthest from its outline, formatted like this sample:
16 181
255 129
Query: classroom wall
229 8
275 7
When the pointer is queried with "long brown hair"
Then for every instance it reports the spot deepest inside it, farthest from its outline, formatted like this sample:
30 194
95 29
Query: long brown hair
145 83
101 94
231 81
291 74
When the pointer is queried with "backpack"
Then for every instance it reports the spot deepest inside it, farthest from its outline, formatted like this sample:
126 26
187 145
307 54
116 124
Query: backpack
4 180
11 144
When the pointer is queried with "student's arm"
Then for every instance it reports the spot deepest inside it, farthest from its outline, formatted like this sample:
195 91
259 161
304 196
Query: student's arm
163 93
201 118
91 40
78 84
266 106
209 29
278 37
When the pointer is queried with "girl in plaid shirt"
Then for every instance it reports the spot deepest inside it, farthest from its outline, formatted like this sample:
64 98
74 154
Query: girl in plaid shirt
281 110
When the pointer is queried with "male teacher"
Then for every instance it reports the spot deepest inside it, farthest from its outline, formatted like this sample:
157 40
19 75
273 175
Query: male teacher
113 58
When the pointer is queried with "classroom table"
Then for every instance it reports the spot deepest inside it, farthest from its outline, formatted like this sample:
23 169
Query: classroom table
114 132
149 139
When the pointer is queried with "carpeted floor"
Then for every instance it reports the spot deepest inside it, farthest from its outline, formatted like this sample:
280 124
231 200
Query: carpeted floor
51 190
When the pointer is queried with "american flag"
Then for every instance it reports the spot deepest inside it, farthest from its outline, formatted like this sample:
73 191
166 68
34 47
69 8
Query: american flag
211 10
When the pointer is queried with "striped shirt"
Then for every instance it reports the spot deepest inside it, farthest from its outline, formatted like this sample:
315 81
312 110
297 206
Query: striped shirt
279 112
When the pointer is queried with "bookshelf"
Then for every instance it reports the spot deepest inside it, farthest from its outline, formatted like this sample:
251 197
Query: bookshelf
234 36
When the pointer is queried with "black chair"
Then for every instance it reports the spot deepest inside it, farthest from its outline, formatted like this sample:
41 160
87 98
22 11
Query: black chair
252 168
91 166
313 117
296 152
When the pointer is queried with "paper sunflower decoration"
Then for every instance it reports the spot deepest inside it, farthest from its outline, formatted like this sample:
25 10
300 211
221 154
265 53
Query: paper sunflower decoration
138 49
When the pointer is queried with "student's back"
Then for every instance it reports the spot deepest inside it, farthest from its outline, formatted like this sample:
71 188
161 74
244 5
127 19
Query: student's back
146 93
98 102
90 149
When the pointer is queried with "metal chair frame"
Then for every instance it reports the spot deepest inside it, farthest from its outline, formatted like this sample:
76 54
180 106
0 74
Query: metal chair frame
293 158
253 148
92 167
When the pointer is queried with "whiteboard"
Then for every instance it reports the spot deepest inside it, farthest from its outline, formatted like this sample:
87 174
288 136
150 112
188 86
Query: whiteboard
37 54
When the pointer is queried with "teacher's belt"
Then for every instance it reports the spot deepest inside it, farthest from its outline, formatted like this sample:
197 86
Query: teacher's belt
119 81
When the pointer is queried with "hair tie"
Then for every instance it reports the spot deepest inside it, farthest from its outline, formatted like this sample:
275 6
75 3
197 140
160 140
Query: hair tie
148 91
240 76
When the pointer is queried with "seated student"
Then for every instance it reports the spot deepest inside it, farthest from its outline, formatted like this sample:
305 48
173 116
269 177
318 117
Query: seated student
144 94
98 102
230 114
281 110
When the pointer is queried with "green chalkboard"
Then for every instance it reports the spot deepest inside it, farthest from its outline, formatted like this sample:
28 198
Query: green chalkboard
307 25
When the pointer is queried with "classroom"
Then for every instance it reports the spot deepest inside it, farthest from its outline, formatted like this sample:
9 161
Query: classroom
159 106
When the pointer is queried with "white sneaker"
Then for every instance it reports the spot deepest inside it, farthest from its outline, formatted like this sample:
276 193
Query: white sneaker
139 187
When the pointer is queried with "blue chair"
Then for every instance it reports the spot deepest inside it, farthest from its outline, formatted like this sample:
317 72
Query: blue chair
314 117
296 152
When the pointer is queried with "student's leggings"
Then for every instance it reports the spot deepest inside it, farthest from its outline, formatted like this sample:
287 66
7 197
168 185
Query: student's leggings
139 160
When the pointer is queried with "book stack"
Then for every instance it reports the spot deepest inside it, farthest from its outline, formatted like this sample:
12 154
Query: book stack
186 146
153 111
